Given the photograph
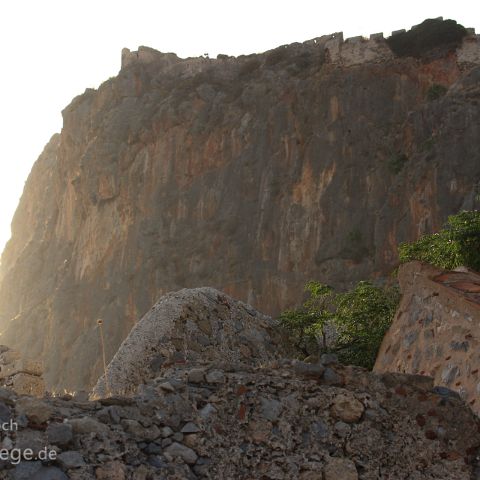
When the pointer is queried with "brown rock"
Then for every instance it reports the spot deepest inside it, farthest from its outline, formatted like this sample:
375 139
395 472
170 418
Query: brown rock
25 384
111 471
347 408
340 468
37 411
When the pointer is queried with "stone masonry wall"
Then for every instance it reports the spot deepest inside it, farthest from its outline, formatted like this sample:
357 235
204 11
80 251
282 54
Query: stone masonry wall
347 52
22 375
436 330
282 420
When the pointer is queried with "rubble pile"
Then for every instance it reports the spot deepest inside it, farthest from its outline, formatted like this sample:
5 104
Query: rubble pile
23 376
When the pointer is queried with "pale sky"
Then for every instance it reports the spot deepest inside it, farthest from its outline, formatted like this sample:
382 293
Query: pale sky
52 50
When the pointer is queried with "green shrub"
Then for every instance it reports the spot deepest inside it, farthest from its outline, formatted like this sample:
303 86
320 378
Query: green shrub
355 247
430 37
362 317
396 163
436 91
307 325
358 320
457 244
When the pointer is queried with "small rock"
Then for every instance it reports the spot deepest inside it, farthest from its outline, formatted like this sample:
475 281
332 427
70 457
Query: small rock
190 427
36 410
167 387
140 432
445 392
60 434
6 396
270 408
80 396
207 410
340 468
347 408
196 375
314 370
328 359
177 437
71 459
185 453
6 443
26 470
5 413
49 473
157 362
166 432
191 440
342 429
166 442
215 376
87 425
111 471
153 449
331 377
156 461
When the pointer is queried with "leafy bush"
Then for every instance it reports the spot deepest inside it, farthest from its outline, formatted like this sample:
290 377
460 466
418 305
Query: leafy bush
424 39
307 324
355 247
359 318
436 91
456 245
396 163
362 317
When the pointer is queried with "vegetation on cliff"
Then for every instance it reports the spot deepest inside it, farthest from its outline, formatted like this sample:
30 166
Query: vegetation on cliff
430 37
357 320
457 244
351 324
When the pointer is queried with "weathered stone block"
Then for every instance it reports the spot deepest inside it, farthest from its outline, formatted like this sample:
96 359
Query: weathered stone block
21 365
25 384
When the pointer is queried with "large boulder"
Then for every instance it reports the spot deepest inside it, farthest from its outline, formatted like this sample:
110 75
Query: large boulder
189 326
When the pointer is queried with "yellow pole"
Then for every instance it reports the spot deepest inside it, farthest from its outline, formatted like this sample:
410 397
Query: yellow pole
102 342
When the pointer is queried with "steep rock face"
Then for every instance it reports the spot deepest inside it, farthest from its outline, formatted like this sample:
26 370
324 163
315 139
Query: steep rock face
436 330
251 175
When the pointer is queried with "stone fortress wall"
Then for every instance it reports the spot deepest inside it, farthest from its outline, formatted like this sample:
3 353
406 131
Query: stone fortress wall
435 331
347 52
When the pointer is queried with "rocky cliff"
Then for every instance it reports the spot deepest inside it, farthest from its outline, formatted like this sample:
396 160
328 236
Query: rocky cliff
249 174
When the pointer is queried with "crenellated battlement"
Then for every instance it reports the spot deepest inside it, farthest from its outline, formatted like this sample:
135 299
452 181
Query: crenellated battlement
338 50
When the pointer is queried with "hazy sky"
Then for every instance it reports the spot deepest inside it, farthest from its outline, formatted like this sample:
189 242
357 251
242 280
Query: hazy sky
53 50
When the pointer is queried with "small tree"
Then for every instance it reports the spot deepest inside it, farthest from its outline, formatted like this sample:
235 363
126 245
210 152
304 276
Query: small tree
307 324
457 244
362 317
359 318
